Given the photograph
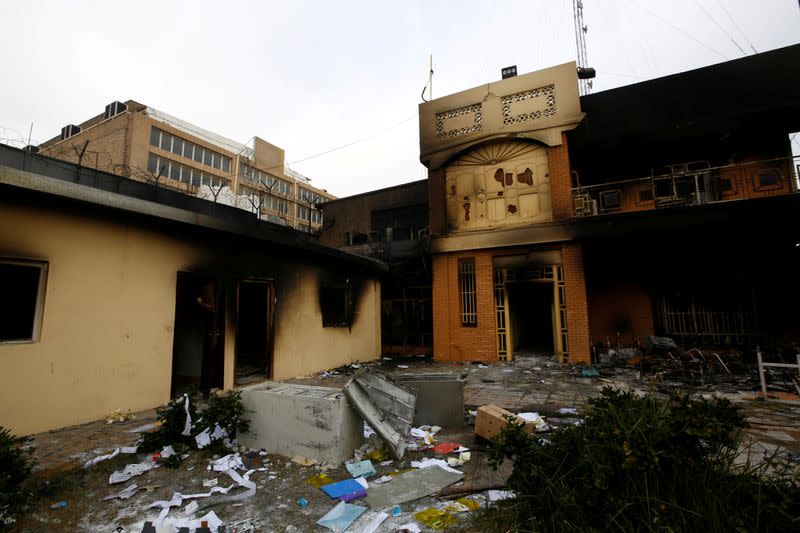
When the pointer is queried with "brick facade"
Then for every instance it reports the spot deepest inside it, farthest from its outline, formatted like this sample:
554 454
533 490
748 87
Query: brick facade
560 180
454 342
107 149
619 308
451 340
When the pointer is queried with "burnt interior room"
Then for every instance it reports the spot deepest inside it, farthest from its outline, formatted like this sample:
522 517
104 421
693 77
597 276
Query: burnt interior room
531 311
198 342
252 331
715 275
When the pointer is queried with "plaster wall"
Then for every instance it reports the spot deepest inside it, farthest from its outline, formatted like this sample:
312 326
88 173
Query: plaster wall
109 310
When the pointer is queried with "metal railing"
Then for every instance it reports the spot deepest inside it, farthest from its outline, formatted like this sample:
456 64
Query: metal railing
691 183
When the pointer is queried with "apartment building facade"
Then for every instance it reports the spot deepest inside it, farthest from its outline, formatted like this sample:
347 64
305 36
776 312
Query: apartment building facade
559 222
136 141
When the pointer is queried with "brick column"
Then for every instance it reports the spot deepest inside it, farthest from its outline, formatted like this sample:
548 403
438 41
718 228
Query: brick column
577 306
560 180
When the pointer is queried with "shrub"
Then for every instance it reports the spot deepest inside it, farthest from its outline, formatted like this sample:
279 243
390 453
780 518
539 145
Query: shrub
16 463
644 464
224 409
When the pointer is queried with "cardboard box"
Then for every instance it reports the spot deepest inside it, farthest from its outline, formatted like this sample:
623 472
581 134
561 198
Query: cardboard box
491 420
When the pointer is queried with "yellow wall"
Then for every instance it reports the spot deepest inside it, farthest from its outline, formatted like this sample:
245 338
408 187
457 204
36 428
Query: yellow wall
107 328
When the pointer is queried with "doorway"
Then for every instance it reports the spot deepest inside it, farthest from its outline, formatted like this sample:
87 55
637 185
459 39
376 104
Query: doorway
531 312
254 316
198 341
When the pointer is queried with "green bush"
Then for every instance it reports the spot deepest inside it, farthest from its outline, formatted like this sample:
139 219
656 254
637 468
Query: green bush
645 464
224 409
16 463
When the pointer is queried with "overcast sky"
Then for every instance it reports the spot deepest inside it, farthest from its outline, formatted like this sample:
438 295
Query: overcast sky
313 76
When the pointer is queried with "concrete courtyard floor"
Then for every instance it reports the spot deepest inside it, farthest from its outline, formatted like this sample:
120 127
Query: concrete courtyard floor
526 384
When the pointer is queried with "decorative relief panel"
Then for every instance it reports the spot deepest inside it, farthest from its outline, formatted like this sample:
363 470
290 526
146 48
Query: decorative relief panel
529 105
457 122
499 184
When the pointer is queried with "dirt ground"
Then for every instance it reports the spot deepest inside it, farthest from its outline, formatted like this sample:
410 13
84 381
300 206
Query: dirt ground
527 384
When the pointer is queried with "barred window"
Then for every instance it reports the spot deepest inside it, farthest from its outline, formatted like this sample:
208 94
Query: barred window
466 282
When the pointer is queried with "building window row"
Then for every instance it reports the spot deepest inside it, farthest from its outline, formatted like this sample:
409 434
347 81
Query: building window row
273 203
183 173
188 149
312 200
253 175
306 213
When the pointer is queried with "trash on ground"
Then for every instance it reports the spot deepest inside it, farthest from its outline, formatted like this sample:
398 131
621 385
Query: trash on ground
492 419
210 482
342 488
385 404
589 373
144 428
123 449
428 463
118 416
396 511
131 470
302 502
435 518
318 480
303 461
58 505
446 447
374 523
408 528
410 486
191 507
568 411
498 495
341 516
124 494
361 469
382 479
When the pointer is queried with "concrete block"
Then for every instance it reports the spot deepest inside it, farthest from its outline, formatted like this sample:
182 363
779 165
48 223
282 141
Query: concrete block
440 398
313 422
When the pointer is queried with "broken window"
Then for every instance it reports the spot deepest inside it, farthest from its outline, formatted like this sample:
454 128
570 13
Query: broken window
469 300
336 303
22 285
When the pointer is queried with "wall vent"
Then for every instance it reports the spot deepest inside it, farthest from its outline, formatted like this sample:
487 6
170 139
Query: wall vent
115 108
69 130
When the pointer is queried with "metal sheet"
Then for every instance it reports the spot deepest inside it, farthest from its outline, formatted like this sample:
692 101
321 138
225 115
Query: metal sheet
386 405
410 486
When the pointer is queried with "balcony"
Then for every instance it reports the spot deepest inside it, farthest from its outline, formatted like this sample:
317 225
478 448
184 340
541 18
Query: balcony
688 184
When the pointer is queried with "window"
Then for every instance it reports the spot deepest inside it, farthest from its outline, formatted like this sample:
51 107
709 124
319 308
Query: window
466 283
336 303
22 284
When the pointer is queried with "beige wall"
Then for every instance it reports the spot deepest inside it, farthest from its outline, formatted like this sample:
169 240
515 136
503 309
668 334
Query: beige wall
107 328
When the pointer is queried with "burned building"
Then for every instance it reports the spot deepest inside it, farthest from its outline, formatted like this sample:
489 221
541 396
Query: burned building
561 222
120 294
391 225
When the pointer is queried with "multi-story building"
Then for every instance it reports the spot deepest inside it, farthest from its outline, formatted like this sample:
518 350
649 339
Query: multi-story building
667 207
136 141
391 225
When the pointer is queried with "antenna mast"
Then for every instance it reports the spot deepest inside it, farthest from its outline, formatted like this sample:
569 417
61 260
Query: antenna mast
585 85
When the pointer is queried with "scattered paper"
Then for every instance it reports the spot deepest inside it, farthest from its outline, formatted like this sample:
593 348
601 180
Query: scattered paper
211 519
120 476
408 528
497 495
342 488
208 483
218 433
142 428
568 411
446 447
427 463
124 494
167 451
341 516
368 431
373 524
91 462
191 507
482 366
187 427
402 366
203 439
382 479
363 482
529 417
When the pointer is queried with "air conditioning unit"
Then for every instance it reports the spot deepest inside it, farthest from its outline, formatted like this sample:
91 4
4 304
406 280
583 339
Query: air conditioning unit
115 108
69 130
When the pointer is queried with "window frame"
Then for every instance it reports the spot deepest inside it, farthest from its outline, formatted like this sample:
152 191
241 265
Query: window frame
38 314
465 310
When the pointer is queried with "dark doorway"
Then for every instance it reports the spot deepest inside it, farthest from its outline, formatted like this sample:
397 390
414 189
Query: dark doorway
198 343
531 310
253 331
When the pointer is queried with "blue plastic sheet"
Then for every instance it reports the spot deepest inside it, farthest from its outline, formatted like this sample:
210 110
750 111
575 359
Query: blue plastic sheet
342 488
340 517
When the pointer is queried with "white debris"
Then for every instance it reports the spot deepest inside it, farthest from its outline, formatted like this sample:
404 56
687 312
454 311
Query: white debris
130 471
427 463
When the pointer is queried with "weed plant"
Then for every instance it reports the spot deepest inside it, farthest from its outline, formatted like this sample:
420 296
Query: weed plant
648 464
16 464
